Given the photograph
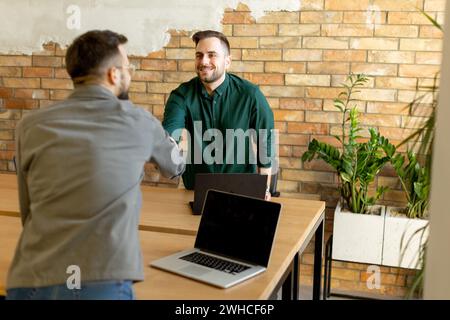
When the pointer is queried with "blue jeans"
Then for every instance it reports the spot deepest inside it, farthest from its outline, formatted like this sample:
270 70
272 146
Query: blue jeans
95 290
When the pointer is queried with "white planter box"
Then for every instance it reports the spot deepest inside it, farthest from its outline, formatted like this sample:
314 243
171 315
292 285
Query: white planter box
396 228
358 237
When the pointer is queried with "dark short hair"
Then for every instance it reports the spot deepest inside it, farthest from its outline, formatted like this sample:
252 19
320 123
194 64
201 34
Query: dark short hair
200 35
90 51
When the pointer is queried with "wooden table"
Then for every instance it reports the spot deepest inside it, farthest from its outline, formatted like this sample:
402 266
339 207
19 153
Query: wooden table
167 211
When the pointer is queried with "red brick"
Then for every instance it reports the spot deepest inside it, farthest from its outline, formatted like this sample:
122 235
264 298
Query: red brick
243 42
281 126
285 67
279 17
404 5
380 120
138 86
21 83
347 30
396 31
10 72
161 54
374 43
6 93
299 30
323 117
429 57
36 72
318 165
7 155
371 17
282 91
429 71
308 128
161 87
411 18
242 66
20 104
143 75
300 104
259 30
434 5
178 76
344 55
421 44
387 108
328 68
308 80
31 94
280 42
145 98
293 139
237 17
373 69
180 54
261 54
61 73
174 42
324 93
288 115
324 43
303 175
164 65
322 16
13 61
265 78
57 84
302 55
42 61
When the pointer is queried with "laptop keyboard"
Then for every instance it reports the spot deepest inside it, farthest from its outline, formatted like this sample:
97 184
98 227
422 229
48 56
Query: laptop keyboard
215 263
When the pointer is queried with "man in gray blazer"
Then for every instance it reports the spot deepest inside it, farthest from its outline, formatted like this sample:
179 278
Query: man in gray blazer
79 167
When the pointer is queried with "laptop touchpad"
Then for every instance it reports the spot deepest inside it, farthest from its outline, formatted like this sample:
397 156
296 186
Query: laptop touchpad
194 270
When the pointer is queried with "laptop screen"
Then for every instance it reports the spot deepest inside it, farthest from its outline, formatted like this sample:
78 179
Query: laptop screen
247 184
238 227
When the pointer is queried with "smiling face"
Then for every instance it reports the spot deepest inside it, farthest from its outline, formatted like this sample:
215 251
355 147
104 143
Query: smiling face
212 59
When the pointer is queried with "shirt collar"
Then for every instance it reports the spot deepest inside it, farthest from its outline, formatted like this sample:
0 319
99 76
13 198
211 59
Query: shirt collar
219 90
92 91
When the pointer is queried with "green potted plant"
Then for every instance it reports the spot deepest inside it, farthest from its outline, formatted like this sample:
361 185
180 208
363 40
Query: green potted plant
358 224
405 228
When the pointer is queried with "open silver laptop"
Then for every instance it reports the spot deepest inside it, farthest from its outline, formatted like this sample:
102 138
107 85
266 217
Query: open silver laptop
233 243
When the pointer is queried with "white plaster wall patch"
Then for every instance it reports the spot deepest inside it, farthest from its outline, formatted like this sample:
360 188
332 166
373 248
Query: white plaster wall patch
27 24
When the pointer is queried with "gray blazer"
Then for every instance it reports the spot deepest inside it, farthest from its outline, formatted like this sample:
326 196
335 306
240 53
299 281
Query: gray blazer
79 167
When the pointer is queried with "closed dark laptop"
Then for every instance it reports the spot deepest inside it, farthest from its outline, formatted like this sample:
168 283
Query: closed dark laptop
247 184
233 243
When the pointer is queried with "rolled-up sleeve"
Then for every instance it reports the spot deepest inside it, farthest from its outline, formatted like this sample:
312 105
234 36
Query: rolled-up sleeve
174 115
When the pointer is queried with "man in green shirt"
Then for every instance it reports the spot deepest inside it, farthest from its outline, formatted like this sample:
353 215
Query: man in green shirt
223 114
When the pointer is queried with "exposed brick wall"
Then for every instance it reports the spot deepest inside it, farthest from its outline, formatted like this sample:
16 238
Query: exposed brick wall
299 60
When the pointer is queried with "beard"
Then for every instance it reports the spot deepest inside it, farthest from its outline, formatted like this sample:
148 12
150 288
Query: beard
123 93
216 75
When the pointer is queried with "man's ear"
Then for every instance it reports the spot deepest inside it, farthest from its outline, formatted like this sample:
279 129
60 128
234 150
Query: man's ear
227 61
113 76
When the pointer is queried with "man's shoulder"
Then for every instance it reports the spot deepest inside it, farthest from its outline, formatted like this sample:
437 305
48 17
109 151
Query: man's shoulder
243 85
37 116
186 88
128 108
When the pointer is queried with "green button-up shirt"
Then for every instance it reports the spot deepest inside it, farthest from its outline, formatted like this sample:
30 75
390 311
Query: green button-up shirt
235 104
